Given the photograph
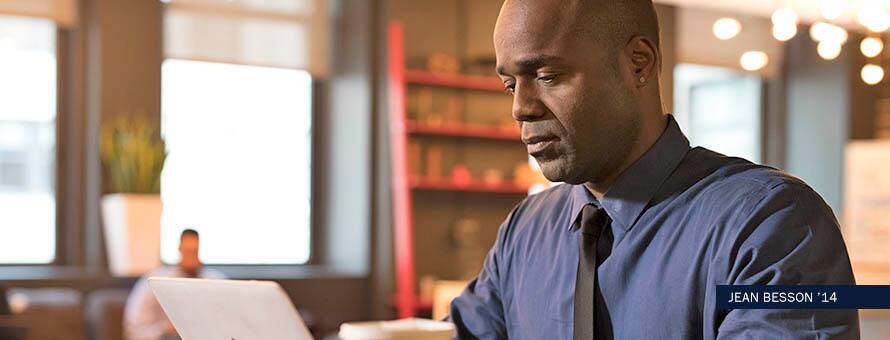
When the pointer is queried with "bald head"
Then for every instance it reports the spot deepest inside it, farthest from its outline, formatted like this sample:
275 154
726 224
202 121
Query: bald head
616 22
610 23
584 75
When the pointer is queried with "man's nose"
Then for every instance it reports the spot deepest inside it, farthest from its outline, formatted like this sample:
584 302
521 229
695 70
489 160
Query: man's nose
527 105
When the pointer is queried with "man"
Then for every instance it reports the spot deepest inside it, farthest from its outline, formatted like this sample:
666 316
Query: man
143 317
634 244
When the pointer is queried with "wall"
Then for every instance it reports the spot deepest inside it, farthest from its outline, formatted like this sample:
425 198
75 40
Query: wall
827 106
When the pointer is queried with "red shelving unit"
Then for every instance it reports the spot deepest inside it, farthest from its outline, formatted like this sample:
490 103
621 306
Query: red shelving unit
402 129
464 130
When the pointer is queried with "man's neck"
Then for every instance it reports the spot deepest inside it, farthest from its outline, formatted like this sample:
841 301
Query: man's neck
650 131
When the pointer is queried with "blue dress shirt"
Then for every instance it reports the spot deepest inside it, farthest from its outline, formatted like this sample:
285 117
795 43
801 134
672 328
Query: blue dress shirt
684 220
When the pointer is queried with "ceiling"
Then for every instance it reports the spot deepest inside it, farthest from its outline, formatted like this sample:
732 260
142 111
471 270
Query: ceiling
809 10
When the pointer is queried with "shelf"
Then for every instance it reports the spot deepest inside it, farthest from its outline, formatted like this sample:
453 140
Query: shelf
457 81
464 130
476 186
405 188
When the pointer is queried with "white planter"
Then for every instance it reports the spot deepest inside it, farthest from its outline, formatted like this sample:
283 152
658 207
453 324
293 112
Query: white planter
132 233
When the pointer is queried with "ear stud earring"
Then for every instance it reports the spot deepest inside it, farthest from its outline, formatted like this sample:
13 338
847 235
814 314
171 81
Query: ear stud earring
642 79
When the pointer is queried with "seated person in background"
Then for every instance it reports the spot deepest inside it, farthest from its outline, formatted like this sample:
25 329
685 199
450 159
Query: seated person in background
143 317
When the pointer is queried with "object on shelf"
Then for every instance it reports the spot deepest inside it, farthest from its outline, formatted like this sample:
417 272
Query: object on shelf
434 107
481 65
434 162
523 175
415 152
454 110
454 81
460 175
423 102
493 177
453 129
433 119
439 62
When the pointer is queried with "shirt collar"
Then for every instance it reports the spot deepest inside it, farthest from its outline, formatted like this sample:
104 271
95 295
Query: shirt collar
632 191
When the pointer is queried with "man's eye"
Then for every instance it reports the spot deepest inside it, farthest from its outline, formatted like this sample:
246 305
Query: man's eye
547 79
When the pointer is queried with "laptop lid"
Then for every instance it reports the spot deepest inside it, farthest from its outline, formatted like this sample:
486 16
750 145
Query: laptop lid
228 310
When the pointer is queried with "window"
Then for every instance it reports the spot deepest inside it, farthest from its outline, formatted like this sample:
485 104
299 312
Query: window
720 109
238 165
27 140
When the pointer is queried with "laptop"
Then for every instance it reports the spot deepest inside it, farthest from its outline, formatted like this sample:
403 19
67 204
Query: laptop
228 310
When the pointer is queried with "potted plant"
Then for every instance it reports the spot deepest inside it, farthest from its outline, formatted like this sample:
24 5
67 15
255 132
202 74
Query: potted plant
133 155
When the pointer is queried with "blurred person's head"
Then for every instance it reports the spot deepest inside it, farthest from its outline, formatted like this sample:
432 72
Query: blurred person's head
189 244
584 75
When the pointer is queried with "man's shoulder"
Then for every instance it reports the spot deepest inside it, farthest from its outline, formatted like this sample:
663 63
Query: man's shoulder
739 187
732 178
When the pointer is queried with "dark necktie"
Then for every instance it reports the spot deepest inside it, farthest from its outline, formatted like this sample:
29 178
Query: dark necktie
596 237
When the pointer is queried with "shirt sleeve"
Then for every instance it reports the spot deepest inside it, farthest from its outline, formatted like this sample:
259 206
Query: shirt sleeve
788 236
478 313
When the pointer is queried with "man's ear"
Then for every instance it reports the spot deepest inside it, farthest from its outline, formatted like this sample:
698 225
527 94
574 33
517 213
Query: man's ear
644 59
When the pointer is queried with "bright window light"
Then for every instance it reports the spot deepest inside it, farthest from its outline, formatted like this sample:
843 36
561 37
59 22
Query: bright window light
719 109
27 141
238 168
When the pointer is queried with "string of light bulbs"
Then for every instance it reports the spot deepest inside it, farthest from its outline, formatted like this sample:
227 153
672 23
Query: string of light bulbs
830 36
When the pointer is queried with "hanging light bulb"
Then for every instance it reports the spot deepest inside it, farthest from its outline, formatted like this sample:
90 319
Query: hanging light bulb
832 9
828 50
727 28
784 32
872 74
784 23
754 60
874 17
784 16
871 47
822 31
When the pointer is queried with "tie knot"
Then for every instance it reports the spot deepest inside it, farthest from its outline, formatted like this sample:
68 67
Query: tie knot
593 220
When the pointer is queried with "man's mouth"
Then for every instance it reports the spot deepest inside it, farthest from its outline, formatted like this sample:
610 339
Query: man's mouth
539 144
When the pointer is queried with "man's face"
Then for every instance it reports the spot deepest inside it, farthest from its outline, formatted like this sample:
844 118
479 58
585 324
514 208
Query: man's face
577 114
188 251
